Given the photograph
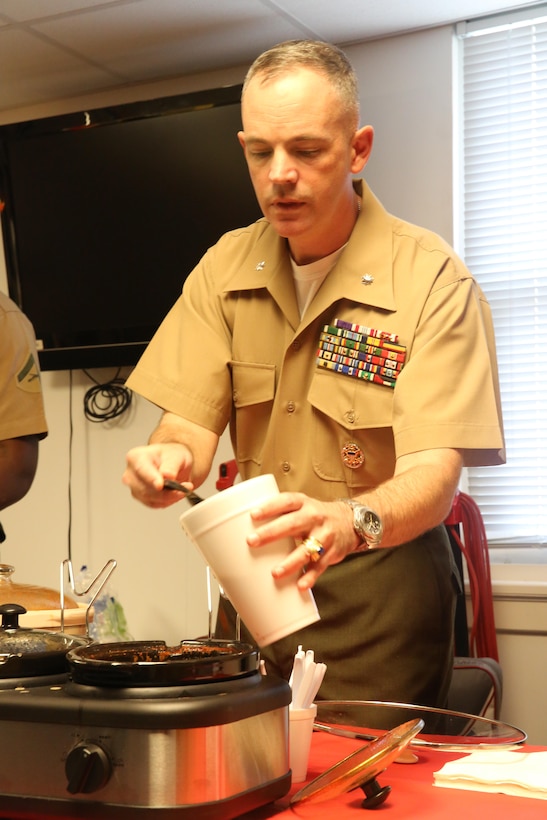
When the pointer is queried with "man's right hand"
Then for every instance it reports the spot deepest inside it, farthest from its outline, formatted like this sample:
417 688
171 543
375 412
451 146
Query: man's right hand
147 468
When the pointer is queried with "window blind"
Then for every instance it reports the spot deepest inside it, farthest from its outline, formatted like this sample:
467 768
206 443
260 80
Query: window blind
503 236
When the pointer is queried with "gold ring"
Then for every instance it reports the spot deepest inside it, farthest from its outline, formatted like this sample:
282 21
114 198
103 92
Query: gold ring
314 548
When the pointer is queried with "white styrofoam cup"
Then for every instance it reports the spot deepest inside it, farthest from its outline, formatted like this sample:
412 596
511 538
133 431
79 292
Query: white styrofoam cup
300 735
270 608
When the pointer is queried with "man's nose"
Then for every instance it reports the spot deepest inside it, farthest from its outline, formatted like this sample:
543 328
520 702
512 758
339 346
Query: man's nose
283 169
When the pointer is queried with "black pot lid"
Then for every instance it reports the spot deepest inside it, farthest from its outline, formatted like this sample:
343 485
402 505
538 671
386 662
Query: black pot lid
18 639
30 652
154 663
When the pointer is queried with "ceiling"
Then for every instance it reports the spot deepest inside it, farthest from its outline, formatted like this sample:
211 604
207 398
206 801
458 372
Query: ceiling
59 49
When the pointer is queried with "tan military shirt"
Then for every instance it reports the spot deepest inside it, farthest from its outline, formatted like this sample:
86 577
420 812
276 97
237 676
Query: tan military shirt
21 401
234 350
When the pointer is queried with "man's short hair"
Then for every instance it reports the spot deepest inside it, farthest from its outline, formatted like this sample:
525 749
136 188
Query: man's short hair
314 54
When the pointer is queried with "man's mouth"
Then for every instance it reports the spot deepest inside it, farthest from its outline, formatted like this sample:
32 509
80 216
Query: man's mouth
287 205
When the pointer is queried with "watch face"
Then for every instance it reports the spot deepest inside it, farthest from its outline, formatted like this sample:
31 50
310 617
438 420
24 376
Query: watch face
372 523
368 525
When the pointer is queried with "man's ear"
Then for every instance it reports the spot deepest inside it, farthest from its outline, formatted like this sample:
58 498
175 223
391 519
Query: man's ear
361 148
241 138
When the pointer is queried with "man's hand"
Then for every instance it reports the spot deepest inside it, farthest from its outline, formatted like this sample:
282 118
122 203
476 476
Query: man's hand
149 466
178 449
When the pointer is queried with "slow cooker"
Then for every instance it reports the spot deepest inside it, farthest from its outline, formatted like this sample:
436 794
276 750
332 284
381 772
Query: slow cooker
141 729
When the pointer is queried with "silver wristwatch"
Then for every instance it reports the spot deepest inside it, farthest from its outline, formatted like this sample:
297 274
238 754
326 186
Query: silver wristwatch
366 523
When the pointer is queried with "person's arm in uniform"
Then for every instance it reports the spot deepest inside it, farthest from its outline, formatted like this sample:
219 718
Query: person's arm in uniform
18 462
22 416
418 497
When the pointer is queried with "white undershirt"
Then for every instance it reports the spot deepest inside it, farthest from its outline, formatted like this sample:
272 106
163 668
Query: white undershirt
309 278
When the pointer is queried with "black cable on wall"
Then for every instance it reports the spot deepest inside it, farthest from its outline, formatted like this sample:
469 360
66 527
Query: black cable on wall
104 402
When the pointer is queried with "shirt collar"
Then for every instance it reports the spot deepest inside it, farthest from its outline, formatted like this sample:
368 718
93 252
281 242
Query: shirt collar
364 272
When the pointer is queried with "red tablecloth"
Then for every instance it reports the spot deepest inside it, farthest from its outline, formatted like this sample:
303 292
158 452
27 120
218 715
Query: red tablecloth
413 794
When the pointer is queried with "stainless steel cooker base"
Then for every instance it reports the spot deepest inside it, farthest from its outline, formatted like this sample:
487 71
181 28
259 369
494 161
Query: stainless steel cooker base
211 751
30 808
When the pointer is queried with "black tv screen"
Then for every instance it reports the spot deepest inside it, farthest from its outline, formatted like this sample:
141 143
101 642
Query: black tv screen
105 212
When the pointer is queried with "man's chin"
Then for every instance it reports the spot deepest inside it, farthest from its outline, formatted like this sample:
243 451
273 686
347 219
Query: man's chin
287 226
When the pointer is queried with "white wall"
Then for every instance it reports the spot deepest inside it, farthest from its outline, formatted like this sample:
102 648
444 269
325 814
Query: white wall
406 94
406 85
160 578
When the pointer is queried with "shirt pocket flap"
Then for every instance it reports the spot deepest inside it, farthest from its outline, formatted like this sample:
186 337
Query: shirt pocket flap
353 403
252 383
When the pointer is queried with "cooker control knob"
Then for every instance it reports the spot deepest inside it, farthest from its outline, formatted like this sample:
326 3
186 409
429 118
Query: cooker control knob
88 768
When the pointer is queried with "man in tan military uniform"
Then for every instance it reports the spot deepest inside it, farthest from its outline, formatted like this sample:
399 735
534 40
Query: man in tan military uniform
22 417
352 355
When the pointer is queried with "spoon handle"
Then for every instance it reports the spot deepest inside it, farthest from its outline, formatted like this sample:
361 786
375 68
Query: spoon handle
192 497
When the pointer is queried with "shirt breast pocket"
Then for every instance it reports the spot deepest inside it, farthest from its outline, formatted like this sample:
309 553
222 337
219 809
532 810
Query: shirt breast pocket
253 395
351 429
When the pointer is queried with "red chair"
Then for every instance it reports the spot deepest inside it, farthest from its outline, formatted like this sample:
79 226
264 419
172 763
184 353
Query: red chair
477 681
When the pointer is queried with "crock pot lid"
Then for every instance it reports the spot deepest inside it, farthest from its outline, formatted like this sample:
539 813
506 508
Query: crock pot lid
15 639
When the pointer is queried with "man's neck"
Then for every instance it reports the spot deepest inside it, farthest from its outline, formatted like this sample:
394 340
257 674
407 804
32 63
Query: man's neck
308 252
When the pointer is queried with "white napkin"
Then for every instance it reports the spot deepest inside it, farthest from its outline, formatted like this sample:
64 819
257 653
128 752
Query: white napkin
523 774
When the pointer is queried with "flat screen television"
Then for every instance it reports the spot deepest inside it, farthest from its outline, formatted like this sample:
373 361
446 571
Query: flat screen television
106 211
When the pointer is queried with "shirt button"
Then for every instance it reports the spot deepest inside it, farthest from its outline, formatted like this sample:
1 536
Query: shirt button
296 345
286 467
350 416
291 407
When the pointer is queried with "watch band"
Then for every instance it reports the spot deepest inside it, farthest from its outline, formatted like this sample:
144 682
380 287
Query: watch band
366 523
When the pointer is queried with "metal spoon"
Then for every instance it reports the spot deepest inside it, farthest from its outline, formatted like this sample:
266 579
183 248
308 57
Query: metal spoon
191 496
